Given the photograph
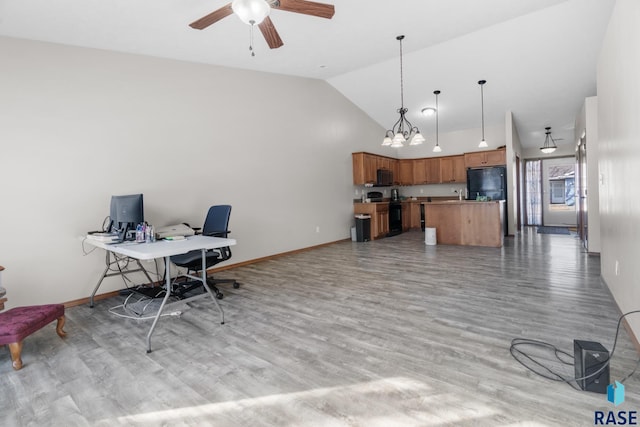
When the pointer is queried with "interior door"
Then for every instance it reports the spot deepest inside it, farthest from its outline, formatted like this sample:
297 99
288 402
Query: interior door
558 192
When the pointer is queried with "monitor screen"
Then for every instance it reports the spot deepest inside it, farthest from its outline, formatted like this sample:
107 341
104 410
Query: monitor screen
126 212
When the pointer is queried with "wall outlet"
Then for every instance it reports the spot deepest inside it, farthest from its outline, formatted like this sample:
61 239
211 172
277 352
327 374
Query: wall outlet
422 191
317 228
617 268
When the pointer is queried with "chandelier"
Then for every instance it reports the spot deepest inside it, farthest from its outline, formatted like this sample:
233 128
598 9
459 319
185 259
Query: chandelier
402 131
549 145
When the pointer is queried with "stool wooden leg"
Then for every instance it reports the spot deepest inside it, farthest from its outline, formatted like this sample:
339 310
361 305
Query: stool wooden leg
16 349
60 325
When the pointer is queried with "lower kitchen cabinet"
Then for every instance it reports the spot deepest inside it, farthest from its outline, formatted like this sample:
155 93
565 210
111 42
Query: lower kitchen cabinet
410 215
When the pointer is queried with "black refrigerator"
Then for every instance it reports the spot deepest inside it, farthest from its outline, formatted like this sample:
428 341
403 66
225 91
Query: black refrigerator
490 182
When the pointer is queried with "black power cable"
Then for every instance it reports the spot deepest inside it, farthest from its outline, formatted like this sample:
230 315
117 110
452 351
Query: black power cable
546 372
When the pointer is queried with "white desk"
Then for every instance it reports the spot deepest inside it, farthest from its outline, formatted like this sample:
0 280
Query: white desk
165 249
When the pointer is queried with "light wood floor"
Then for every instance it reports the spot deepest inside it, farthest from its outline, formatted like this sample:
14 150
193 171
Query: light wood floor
384 333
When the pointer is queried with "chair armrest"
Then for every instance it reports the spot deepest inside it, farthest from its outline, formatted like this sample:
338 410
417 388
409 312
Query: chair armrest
217 233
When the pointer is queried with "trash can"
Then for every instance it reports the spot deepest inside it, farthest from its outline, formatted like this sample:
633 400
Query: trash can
430 236
363 228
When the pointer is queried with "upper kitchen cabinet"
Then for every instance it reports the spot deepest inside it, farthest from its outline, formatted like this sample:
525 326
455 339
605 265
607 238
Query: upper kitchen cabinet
405 172
485 158
433 170
384 163
426 171
366 165
364 168
453 170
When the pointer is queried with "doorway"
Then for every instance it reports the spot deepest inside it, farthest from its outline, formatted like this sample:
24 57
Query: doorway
558 189
550 192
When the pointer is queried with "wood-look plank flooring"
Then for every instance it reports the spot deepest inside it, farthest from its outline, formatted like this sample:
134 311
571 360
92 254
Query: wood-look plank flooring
385 333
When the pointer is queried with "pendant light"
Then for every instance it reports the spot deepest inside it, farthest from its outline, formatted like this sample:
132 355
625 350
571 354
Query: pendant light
436 148
483 143
402 131
549 143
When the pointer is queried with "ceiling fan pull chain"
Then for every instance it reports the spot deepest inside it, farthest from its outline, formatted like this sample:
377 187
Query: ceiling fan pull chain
251 40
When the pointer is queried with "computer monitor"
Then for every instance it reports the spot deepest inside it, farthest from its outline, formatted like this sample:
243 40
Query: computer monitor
125 214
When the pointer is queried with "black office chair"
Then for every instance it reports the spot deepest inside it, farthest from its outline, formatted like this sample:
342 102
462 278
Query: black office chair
216 224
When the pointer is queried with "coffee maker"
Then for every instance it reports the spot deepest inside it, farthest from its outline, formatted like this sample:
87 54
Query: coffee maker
395 197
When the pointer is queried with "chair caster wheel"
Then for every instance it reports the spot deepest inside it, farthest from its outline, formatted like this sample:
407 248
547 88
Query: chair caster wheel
219 295
236 285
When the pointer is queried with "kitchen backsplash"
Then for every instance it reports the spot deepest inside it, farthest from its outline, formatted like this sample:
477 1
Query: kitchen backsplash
440 190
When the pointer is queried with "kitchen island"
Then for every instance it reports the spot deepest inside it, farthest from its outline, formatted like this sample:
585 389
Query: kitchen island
466 222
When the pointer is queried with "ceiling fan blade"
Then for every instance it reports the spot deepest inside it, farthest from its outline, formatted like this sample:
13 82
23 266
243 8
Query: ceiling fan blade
270 33
305 7
212 18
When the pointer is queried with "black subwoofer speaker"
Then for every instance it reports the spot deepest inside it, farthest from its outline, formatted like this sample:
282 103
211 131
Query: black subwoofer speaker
591 357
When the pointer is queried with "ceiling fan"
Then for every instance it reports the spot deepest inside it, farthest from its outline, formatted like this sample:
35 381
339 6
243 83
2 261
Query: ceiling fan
256 12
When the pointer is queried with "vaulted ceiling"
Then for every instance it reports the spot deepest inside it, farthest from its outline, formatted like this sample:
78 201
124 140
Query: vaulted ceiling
538 56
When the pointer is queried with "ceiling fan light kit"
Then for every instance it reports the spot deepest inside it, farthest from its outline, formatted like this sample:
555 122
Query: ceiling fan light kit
251 12
549 145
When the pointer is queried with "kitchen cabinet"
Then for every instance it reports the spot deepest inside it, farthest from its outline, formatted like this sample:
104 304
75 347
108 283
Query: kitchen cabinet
485 158
366 165
410 215
395 168
384 163
419 171
405 171
426 171
466 222
453 169
406 215
433 170
379 217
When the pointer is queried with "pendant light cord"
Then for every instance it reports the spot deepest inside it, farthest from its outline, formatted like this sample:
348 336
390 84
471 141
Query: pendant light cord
401 76
437 92
482 82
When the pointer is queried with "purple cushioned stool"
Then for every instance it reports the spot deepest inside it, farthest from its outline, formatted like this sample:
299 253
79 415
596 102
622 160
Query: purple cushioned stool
20 322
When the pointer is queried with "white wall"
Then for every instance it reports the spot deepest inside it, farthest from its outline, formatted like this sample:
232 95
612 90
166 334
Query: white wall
587 124
514 149
457 142
79 125
619 156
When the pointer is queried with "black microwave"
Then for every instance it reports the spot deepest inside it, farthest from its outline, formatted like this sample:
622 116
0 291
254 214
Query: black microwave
384 177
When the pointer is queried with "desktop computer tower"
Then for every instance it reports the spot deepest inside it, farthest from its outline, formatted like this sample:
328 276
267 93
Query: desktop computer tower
590 357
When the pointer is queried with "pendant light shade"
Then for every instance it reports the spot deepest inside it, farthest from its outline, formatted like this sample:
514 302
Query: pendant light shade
436 148
402 131
483 143
549 143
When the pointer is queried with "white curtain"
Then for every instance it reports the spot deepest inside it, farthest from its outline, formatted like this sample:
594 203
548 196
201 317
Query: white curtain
533 192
